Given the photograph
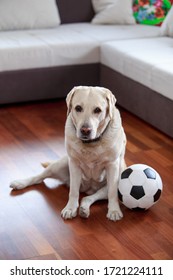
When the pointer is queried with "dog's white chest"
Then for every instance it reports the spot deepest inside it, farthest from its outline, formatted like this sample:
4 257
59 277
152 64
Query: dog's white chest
91 166
93 170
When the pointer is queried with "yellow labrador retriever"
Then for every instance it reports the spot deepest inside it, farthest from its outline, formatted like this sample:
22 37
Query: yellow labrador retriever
95 143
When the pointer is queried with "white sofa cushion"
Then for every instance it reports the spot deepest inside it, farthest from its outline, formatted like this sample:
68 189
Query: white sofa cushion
46 48
113 12
20 50
167 26
28 14
68 47
102 33
147 61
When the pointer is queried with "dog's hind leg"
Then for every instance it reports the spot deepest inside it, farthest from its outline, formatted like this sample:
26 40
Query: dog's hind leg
57 170
87 201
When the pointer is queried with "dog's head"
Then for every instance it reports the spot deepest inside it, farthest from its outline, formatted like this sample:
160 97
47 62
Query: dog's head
91 109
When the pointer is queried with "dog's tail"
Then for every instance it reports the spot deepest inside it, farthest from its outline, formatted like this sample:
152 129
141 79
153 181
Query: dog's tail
45 164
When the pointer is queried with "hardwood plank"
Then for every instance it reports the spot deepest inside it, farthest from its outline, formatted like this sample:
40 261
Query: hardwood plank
31 226
45 257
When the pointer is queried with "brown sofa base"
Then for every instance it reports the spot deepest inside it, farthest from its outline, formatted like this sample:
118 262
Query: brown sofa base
147 104
45 83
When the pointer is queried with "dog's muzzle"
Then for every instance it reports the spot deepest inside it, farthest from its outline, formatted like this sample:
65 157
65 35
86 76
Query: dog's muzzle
85 131
86 134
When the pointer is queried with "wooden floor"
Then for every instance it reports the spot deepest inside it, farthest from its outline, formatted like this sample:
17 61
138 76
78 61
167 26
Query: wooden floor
30 223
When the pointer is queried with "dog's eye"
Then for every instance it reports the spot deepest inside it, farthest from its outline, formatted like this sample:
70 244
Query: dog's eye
78 108
97 110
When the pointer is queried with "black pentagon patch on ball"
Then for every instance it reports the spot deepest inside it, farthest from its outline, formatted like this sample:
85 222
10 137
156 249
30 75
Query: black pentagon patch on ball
126 173
137 192
157 195
138 209
120 196
150 173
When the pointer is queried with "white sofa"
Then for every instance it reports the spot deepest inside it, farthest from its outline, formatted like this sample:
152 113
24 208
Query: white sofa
134 61
68 44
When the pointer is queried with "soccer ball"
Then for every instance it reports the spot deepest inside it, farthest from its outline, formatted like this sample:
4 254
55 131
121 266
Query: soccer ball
140 187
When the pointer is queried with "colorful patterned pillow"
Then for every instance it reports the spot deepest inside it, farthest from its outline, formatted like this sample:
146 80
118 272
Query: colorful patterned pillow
151 12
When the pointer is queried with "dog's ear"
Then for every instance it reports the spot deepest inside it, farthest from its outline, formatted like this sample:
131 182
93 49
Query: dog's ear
69 99
111 102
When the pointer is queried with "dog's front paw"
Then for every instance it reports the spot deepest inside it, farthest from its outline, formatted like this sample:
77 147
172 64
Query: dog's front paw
18 184
84 212
68 213
115 215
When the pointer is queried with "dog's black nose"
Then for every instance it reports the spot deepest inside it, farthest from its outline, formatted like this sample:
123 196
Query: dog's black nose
85 130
